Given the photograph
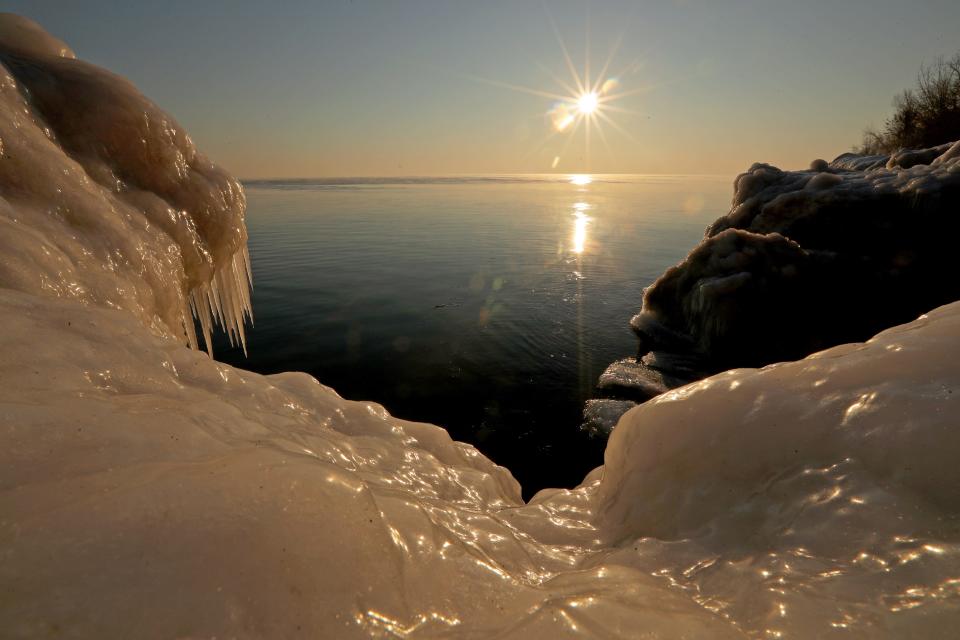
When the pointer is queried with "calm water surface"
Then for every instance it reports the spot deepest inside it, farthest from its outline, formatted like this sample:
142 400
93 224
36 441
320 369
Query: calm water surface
486 305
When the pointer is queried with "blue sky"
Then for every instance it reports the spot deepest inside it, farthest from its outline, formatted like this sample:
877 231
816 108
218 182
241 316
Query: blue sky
360 87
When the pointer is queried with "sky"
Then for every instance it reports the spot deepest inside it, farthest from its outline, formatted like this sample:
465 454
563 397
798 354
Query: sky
434 87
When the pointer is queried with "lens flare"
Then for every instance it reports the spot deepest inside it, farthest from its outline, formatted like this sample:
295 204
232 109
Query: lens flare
561 117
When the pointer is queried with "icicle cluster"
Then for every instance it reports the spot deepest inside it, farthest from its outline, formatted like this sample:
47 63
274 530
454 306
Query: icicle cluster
225 300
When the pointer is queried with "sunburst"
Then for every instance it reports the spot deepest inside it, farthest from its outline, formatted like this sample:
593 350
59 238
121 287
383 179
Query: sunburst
582 102
586 102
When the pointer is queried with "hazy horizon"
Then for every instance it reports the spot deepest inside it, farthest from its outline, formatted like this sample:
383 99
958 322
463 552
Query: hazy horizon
425 88
597 176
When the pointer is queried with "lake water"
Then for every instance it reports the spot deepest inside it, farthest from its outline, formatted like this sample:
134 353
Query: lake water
487 305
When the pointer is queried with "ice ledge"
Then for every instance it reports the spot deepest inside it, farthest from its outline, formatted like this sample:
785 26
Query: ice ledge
105 199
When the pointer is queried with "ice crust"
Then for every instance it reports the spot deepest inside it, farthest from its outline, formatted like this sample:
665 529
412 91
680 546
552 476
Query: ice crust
600 415
805 260
148 491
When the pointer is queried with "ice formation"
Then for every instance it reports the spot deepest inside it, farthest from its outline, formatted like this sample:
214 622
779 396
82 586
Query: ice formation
106 200
149 491
622 386
600 415
808 259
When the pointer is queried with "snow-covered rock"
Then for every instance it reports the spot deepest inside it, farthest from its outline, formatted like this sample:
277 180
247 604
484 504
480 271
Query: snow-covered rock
808 259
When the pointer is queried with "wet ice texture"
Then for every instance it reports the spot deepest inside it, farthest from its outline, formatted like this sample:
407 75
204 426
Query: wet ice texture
104 198
811 499
809 259
148 491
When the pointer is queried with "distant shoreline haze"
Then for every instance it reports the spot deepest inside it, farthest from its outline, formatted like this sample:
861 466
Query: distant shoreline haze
482 178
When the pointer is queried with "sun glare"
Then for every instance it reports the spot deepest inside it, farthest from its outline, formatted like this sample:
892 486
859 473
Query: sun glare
583 105
587 103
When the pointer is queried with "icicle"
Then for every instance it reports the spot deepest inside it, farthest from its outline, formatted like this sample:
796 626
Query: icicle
224 301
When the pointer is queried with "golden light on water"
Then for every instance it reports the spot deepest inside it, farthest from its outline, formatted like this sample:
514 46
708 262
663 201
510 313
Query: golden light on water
580 231
580 179
580 223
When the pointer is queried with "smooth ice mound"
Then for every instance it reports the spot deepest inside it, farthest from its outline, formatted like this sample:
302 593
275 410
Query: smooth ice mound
149 491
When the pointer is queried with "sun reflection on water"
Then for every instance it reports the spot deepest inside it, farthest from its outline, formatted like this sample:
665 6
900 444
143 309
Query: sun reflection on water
580 222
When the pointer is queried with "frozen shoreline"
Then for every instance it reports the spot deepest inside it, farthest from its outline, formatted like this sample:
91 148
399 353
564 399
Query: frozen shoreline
150 491
804 260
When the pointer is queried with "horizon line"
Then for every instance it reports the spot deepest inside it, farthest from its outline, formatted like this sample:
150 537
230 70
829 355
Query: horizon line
479 175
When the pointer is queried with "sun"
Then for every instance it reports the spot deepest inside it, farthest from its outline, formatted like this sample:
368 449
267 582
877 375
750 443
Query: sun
584 103
587 103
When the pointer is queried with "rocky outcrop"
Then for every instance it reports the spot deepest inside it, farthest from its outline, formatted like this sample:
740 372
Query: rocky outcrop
803 261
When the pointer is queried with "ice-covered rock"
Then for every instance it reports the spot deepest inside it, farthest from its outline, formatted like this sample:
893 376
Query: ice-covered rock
600 415
148 491
630 381
627 377
105 199
638 381
808 259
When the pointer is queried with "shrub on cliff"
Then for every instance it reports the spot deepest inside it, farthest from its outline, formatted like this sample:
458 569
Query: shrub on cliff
925 116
